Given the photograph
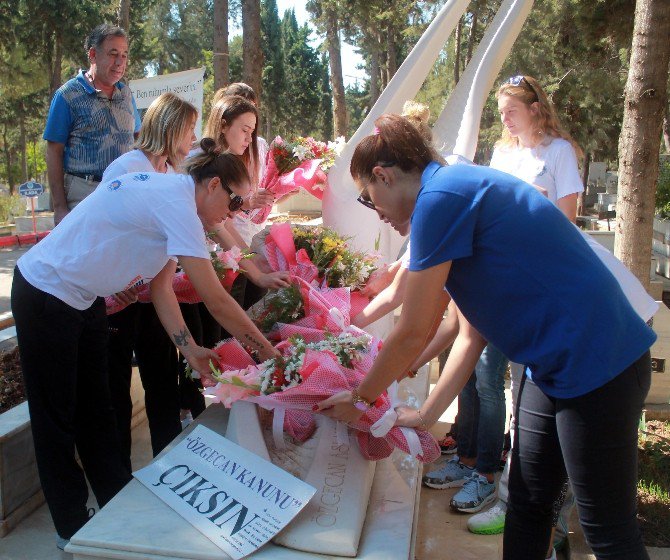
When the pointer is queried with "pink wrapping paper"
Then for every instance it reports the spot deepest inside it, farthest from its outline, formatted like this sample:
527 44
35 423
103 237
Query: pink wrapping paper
307 175
323 376
182 286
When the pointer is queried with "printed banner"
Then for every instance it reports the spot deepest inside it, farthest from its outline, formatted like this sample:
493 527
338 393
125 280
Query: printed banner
188 85
236 499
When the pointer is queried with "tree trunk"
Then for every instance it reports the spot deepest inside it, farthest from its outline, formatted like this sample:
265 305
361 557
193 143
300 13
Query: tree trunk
56 81
473 31
336 79
123 16
585 182
383 68
22 144
392 59
457 54
220 59
666 129
374 76
644 105
8 160
252 59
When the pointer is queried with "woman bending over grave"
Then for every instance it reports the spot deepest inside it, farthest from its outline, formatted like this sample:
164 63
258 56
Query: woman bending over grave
524 279
132 230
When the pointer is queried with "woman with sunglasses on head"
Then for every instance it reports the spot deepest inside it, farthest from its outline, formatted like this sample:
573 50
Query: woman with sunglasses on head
534 146
165 139
525 280
130 231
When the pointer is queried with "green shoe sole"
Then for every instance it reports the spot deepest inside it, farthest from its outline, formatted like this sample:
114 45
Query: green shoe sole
487 530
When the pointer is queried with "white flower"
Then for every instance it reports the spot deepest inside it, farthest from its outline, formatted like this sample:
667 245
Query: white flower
300 152
338 145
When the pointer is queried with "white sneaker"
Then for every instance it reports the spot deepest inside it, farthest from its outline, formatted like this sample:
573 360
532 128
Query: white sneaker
489 522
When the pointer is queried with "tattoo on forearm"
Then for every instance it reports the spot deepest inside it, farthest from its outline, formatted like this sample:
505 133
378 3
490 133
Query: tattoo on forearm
181 338
251 340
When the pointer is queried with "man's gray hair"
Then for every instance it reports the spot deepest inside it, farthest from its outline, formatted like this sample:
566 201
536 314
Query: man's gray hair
100 33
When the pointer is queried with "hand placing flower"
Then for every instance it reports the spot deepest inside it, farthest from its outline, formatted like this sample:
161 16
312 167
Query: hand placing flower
259 199
273 280
408 417
339 407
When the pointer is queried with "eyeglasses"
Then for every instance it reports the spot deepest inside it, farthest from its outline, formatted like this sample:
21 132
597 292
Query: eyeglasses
236 201
517 80
364 197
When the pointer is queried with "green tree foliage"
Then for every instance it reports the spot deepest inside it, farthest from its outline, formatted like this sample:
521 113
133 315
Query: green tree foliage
274 76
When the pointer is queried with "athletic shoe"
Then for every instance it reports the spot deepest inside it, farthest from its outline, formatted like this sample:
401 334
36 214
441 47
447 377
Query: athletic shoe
477 492
450 475
448 445
489 522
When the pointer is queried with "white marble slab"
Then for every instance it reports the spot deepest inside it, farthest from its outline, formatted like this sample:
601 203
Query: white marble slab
137 525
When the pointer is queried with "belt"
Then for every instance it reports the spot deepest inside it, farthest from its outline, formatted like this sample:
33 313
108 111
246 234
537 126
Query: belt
92 178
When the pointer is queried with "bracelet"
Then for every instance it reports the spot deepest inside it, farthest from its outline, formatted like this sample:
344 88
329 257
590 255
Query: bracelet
423 424
356 398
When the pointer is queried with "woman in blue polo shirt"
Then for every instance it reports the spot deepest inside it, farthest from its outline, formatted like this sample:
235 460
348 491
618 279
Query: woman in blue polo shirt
524 279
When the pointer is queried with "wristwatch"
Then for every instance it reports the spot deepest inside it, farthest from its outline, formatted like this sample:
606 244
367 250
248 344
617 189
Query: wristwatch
359 402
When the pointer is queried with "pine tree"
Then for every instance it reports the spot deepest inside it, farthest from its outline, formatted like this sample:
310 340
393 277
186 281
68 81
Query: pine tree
273 70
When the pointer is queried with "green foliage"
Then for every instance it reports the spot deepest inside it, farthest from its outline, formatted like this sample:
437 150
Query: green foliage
663 189
10 207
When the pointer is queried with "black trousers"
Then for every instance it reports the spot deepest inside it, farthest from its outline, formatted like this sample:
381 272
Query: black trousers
593 439
138 328
64 362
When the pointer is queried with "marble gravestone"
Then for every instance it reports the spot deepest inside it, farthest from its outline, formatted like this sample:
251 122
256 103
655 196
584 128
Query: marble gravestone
136 524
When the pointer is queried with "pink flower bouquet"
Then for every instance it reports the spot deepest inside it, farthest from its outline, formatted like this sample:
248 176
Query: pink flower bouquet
290 166
226 266
308 373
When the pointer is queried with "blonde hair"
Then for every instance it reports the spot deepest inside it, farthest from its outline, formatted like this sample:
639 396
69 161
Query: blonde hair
418 114
237 88
545 122
224 112
164 124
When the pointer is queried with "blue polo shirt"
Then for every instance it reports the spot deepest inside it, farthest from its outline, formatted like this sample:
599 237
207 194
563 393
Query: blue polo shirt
525 278
95 129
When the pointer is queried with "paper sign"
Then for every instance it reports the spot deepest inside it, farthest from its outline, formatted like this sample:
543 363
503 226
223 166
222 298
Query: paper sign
188 85
235 498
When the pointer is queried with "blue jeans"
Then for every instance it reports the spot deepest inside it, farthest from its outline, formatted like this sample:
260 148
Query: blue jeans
481 412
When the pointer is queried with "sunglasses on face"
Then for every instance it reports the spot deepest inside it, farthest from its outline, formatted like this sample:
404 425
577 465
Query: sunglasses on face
364 197
518 80
236 201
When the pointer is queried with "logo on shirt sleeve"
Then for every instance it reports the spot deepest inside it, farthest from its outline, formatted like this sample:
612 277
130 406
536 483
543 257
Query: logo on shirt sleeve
141 177
114 185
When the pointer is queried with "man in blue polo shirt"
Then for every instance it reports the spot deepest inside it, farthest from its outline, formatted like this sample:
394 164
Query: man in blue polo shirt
92 120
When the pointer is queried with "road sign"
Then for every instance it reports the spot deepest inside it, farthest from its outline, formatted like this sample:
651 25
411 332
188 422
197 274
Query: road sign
31 189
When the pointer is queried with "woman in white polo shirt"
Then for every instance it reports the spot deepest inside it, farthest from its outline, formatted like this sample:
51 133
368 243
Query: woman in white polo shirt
130 231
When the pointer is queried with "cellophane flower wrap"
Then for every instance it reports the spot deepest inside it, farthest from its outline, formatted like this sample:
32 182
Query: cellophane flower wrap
302 163
306 374
225 263
321 257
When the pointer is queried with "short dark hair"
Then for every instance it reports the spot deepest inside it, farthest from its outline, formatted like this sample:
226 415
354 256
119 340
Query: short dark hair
99 34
